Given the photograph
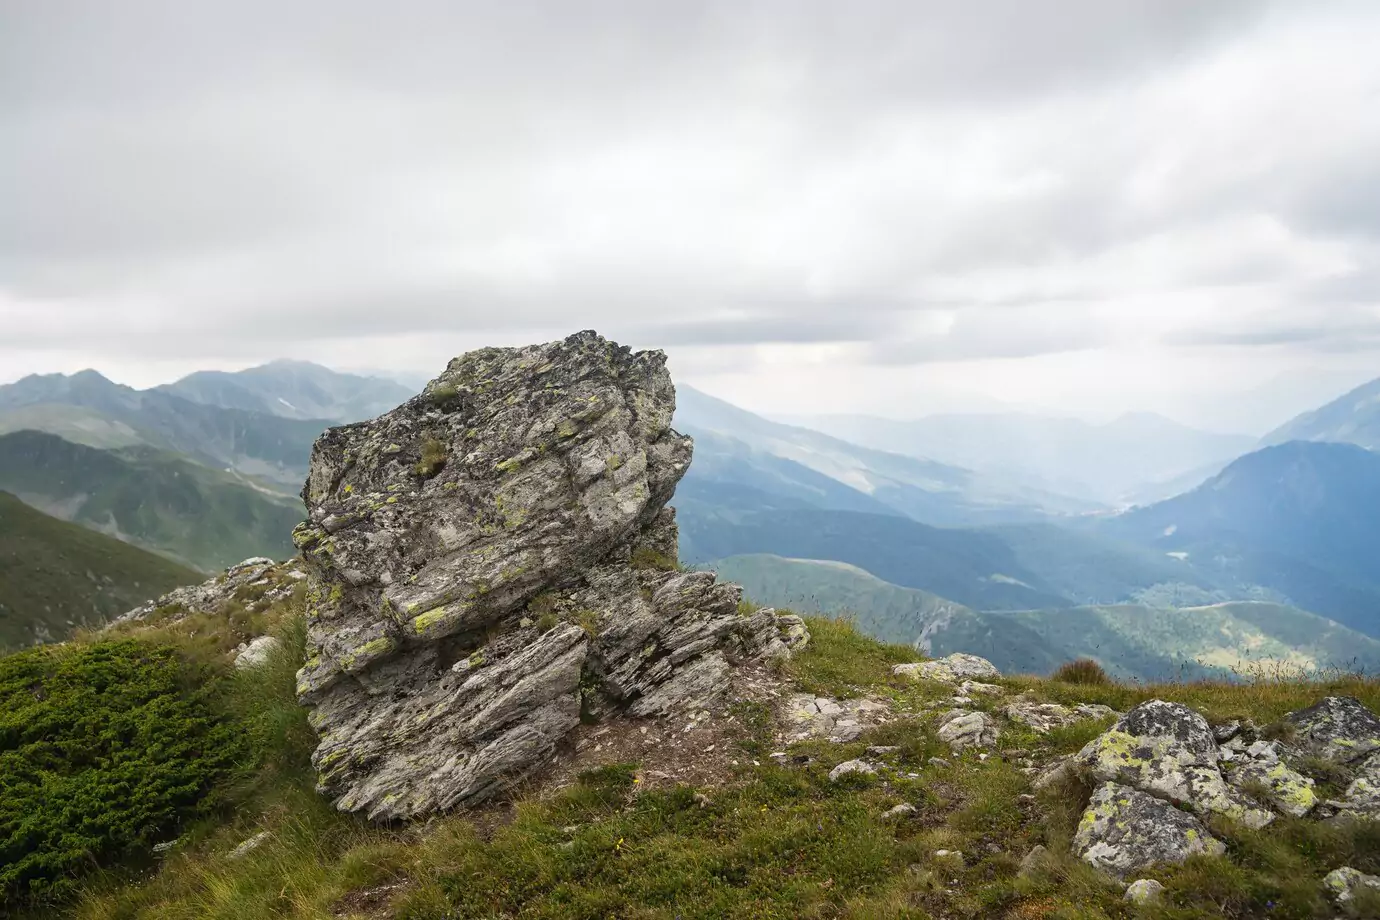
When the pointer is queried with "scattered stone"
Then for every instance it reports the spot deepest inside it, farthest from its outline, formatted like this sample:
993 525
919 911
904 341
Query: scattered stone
1054 772
1096 711
522 483
849 767
780 757
971 687
881 750
939 762
165 847
1042 717
1343 884
1125 829
257 653
1144 891
951 855
822 717
950 669
1167 749
904 810
702 800
962 729
1032 861
1338 728
846 730
250 845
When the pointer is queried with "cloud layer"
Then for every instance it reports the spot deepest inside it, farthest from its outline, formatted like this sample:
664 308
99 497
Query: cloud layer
934 197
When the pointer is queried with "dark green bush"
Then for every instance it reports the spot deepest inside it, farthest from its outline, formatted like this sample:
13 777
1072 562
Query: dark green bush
105 750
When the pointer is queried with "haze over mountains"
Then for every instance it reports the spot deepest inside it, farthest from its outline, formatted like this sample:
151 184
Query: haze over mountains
998 533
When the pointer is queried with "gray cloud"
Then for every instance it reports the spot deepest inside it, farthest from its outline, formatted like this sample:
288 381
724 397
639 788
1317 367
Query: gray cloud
248 179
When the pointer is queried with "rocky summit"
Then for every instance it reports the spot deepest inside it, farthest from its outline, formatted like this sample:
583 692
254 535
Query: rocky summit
494 561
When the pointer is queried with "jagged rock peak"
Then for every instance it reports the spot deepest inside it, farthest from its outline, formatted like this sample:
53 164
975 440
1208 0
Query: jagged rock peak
494 560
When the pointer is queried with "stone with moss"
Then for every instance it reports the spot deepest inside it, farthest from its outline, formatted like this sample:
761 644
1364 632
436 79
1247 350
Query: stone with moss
1125 830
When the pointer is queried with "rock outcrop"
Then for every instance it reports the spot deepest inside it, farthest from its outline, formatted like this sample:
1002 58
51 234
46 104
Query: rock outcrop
1168 750
950 669
494 560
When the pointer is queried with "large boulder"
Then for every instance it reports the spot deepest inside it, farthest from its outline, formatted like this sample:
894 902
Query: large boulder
493 560
1338 728
950 669
1125 830
1168 750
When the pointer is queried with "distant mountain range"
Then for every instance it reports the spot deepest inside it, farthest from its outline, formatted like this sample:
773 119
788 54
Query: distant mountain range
294 389
56 576
1136 458
155 499
938 519
1352 419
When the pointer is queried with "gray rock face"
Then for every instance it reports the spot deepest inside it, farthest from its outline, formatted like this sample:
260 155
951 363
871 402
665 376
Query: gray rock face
1125 830
1339 728
493 558
1260 766
836 720
1168 750
1045 717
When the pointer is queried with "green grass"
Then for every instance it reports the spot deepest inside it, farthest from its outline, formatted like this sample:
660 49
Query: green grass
56 576
774 842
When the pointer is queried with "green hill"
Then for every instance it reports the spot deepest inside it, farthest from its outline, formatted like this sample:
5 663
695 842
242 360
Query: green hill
157 500
886 612
1136 642
55 576
1132 641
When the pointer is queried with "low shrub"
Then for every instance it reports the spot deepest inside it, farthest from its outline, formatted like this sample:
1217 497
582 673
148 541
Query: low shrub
1081 671
105 750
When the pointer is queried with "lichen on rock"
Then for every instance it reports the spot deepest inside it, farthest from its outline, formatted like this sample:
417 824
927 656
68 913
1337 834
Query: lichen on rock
1124 830
479 576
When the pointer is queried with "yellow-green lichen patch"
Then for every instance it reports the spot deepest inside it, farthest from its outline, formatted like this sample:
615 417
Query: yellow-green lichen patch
360 658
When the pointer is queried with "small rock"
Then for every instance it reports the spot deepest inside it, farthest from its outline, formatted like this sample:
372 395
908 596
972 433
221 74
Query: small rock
702 800
954 855
971 687
1343 884
1144 891
962 729
1226 731
899 811
1032 860
846 730
250 845
780 757
164 847
881 750
1042 717
849 767
939 762
257 653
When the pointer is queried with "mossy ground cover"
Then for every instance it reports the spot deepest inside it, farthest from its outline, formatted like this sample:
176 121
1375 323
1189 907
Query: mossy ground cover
776 841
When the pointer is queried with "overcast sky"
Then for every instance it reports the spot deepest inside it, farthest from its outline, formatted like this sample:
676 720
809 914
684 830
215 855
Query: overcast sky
1084 206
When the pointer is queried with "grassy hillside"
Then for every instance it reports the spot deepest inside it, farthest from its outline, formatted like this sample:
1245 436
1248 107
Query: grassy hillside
1302 519
1137 642
886 612
763 841
974 568
1132 641
157 500
55 576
